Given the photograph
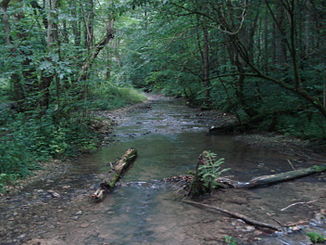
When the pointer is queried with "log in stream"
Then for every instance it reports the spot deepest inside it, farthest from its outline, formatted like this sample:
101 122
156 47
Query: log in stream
273 178
118 169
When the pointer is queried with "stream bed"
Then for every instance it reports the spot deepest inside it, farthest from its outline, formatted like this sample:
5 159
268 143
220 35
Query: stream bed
143 209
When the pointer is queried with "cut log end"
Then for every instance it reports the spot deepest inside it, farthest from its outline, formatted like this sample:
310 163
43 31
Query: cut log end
98 195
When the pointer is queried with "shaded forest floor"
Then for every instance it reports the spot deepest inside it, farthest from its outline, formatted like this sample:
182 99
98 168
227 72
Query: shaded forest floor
54 208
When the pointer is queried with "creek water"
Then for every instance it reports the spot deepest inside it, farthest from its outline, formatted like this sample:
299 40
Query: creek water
169 137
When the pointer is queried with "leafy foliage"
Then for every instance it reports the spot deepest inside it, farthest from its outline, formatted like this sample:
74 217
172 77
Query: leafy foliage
165 51
210 171
316 237
53 72
229 240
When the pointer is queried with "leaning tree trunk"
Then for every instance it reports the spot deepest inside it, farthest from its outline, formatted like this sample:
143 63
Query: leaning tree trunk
84 73
118 170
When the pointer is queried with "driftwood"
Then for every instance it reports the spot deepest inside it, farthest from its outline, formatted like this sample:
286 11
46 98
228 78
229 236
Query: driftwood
273 178
246 219
298 203
118 170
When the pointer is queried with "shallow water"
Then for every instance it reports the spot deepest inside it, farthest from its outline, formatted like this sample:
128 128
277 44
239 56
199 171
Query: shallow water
169 138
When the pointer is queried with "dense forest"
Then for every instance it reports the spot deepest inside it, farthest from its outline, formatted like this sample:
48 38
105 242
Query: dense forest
262 61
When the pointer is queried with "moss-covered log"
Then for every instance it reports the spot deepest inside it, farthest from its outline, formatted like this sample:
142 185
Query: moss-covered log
118 169
274 178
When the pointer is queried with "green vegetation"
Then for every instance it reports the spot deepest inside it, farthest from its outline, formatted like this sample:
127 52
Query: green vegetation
260 60
229 240
211 170
56 67
27 139
111 97
316 237
60 60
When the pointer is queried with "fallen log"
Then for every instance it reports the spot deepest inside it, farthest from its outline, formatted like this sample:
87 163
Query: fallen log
118 170
246 219
273 178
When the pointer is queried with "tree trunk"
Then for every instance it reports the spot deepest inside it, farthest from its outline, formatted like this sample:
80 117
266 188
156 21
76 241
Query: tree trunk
52 46
5 20
206 64
89 21
97 49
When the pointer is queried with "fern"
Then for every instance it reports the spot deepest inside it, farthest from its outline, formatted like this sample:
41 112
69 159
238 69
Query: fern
211 171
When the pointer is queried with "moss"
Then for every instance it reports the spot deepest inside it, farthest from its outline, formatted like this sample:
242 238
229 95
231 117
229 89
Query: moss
319 168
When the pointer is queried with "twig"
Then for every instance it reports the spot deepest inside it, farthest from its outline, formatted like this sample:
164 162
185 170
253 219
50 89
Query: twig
297 203
236 215
291 164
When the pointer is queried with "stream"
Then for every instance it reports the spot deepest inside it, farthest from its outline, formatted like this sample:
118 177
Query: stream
143 209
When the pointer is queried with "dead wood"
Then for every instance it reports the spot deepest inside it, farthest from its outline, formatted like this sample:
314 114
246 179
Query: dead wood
118 170
297 203
197 186
273 178
246 219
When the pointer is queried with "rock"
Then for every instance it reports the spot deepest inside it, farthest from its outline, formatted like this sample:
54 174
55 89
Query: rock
84 225
79 212
22 236
75 217
249 228
54 194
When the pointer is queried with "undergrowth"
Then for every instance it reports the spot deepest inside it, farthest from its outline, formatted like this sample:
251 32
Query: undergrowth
26 139
111 97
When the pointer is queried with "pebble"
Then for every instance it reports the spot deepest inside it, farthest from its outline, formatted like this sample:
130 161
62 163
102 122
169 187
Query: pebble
54 194
84 225
79 212
249 228
75 217
22 236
